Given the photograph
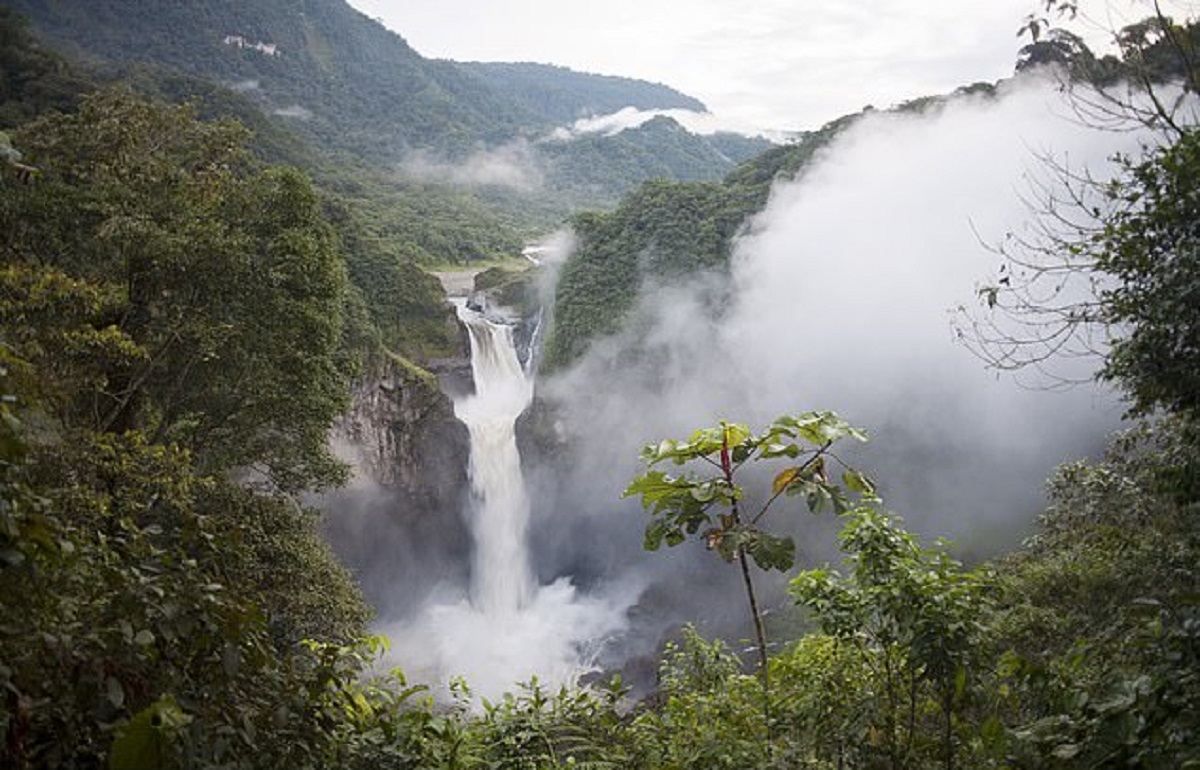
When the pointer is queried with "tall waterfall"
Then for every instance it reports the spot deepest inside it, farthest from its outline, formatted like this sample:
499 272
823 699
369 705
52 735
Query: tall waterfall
506 627
501 578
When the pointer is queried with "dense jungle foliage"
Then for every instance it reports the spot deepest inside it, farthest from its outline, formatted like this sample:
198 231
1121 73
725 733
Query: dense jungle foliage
175 348
427 222
179 321
384 230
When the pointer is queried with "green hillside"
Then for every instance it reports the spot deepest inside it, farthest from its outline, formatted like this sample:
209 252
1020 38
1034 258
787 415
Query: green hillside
362 100
560 95
599 168
343 79
593 171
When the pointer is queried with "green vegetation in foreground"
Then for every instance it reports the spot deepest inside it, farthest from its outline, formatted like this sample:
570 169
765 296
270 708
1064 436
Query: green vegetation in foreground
682 505
174 320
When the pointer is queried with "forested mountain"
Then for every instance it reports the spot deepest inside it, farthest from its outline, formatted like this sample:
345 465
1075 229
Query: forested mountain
739 147
669 230
384 230
342 78
599 168
360 94
560 95
33 80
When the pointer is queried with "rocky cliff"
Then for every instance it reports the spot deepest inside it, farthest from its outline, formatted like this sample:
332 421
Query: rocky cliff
400 525
403 427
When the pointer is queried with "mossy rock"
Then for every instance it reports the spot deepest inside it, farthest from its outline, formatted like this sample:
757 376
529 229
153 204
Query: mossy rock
512 288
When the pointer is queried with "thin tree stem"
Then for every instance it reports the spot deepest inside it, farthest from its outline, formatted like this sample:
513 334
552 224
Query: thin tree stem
759 632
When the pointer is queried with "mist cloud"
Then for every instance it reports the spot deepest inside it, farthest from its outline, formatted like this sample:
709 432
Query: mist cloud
841 299
703 123
512 166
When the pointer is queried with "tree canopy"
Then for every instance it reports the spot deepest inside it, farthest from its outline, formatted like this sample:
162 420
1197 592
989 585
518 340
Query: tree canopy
195 270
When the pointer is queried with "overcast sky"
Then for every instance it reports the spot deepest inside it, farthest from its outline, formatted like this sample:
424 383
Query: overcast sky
775 64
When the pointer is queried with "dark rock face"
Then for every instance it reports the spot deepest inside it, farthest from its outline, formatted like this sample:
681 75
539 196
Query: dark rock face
400 525
404 428
539 437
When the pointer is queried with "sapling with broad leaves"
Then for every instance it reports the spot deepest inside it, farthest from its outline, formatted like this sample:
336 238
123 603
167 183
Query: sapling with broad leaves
711 505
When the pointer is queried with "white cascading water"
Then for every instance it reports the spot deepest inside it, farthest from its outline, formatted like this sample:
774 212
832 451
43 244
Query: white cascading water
501 579
508 628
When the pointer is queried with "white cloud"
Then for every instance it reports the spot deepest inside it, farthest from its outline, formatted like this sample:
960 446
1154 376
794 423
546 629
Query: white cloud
512 166
780 64
704 123
844 287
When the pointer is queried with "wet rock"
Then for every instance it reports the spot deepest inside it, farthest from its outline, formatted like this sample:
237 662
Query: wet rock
403 427
399 526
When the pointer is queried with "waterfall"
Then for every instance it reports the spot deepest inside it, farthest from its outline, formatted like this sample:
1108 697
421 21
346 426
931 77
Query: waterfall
501 577
534 339
505 628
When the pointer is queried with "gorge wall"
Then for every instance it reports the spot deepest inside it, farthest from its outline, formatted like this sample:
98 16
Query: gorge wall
399 522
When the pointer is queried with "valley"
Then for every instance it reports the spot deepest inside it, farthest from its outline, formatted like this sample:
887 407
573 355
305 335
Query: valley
367 408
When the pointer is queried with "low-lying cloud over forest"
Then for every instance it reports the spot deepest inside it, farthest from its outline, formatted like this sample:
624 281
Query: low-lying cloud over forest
842 294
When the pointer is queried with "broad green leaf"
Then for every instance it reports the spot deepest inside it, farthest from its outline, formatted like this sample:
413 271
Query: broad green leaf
856 481
992 732
735 433
769 551
655 531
